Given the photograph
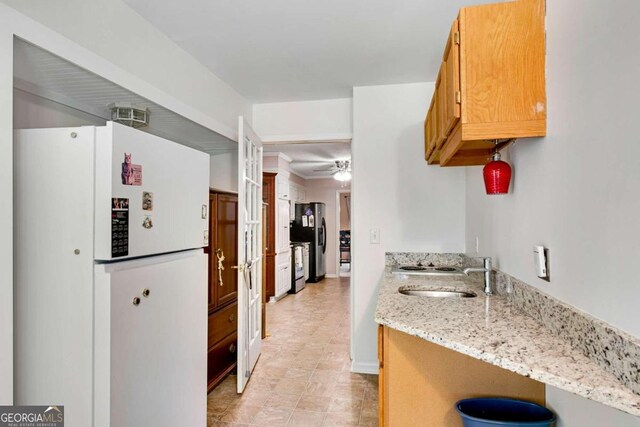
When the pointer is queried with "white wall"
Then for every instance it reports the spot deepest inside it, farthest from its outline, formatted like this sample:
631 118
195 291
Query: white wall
31 111
6 214
576 191
324 190
306 120
224 171
576 411
415 206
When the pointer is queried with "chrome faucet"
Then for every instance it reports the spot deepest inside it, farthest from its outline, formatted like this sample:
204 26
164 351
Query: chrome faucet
488 278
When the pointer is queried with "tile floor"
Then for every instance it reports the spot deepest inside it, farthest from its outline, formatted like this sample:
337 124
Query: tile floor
302 378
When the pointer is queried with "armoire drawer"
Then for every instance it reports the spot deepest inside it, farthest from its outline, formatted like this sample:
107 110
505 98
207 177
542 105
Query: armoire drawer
223 323
221 356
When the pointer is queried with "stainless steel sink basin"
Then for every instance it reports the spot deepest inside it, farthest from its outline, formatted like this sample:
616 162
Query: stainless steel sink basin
436 294
418 270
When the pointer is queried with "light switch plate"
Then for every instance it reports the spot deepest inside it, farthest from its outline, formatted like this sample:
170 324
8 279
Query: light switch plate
540 259
204 212
374 236
206 237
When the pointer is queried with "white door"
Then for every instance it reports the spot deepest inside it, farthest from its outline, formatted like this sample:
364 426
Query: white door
249 251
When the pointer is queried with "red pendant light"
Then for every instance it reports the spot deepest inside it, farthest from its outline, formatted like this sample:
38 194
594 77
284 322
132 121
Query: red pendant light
497 175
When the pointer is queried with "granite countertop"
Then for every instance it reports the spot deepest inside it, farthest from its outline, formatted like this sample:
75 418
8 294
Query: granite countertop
491 329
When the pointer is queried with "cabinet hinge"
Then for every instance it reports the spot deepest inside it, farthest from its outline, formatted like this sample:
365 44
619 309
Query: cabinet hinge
456 37
458 97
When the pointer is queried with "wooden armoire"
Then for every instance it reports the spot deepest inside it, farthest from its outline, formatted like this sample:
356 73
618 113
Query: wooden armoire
223 286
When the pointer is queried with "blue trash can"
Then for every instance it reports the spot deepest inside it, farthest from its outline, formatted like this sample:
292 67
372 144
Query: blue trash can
494 411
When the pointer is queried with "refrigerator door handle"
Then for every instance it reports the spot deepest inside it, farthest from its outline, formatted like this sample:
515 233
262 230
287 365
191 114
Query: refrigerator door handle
324 236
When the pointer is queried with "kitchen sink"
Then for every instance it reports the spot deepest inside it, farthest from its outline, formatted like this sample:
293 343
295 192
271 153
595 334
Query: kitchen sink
419 270
436 294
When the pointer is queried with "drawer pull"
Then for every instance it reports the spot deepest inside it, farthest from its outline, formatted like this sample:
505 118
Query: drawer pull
232 348
232 318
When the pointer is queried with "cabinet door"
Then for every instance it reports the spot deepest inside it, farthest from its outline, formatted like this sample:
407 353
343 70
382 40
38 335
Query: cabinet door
429 131
282 185
283 278
451 83
283 226
211 252
226 244
440 106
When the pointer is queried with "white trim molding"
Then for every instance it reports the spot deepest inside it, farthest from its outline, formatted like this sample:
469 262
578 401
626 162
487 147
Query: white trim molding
308 138
277 154
365 368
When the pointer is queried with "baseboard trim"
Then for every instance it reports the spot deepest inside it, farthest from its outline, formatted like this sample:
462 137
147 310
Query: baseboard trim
364 368
275 299
331 276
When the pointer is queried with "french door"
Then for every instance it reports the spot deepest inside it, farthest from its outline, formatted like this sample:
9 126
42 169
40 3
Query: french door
249 251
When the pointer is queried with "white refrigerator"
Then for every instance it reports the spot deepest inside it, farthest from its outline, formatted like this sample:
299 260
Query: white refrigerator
110 276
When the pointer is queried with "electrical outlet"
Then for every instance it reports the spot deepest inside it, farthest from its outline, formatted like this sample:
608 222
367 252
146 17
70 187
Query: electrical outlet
374 236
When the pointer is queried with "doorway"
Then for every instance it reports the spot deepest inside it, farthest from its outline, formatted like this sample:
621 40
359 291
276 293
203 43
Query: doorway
343 222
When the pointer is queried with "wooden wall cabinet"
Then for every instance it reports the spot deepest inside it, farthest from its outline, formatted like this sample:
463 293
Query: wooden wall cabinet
491 85
420 382
223 286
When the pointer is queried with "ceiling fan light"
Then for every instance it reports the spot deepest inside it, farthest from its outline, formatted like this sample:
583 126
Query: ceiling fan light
342 175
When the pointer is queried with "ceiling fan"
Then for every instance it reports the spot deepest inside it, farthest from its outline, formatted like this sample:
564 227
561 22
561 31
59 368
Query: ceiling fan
341 171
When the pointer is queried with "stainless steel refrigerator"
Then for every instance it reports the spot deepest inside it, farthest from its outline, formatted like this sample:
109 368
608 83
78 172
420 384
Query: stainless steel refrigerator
310 226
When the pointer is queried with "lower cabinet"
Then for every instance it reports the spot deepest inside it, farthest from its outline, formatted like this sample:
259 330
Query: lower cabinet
420 382
283 273
222 355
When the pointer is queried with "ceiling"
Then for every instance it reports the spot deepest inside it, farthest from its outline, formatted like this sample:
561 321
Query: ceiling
284 50
308 157
42 73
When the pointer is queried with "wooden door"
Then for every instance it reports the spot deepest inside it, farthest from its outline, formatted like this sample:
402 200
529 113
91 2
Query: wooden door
269 197
226 247
451 82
